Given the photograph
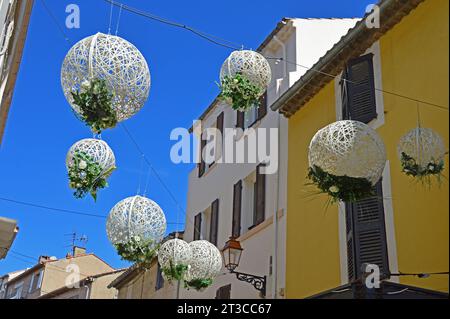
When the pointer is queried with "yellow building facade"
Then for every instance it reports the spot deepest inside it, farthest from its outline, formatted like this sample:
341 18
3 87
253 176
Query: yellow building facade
410 58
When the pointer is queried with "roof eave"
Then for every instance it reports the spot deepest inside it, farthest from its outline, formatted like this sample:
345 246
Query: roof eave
354 43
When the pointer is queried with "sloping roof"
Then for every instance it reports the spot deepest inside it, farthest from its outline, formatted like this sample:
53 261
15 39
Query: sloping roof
353 44
81 283
8 231
40 265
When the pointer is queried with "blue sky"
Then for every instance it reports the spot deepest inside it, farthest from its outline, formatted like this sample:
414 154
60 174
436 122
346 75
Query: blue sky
41 126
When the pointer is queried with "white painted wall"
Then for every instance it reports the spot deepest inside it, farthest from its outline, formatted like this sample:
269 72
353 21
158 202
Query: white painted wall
300 41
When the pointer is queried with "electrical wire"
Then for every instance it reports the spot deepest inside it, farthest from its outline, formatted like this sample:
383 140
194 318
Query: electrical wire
206 36
55 21
420 275
228 44
61 210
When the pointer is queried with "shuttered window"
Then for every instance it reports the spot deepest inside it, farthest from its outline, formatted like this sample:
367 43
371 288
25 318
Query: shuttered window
197 226
366 234
358 92
237 206
262 109
224 292
214 226
253 115
259 197
219 140
202 164
240 119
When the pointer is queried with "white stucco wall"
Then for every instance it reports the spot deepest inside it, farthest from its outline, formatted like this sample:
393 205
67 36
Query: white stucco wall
303 41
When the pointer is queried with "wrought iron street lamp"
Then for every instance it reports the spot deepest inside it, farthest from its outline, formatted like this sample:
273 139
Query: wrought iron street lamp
231 256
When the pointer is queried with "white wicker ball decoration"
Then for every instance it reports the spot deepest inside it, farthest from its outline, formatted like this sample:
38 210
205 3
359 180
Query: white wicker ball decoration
424 145
174 252
251 64
115 60
136 216
206 261
98 150
348 148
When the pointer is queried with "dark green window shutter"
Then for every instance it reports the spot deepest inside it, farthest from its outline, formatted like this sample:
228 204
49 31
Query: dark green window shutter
214 226
366 234
358 98
237 204
259 197
224 292
197 226
240 118
262 109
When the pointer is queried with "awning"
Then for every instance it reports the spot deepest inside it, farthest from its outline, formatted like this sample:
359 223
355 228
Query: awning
387 290
8 231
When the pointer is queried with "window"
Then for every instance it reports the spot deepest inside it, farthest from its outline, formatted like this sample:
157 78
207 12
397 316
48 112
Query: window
224 292
197 226
203 166
16 291
366 234
253 199
246 119
250 117
159 279
206 224
40 276
358 92
248 202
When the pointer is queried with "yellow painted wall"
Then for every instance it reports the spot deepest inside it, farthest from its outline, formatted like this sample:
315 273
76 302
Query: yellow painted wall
312 259
414 58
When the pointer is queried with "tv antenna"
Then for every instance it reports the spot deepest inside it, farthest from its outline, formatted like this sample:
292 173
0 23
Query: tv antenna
76 241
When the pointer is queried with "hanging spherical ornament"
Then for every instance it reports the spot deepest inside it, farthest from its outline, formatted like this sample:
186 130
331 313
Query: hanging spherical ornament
105 79
206 264
422 153
174 257
89 163
135 226
244 78
346 159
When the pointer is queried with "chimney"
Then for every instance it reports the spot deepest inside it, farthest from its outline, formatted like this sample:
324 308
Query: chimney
78 251
43 259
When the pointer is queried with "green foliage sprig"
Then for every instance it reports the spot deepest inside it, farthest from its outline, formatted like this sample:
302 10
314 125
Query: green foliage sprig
240 91
198 284
175 272
344 188
86 175
411 168
95 103
137 250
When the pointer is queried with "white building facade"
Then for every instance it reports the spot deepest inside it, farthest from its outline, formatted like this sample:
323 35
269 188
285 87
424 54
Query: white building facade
238 199
14 19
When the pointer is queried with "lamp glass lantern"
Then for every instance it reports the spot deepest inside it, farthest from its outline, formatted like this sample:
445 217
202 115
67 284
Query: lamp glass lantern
232 254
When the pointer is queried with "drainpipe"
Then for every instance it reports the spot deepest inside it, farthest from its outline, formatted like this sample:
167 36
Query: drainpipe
275 224
285 68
